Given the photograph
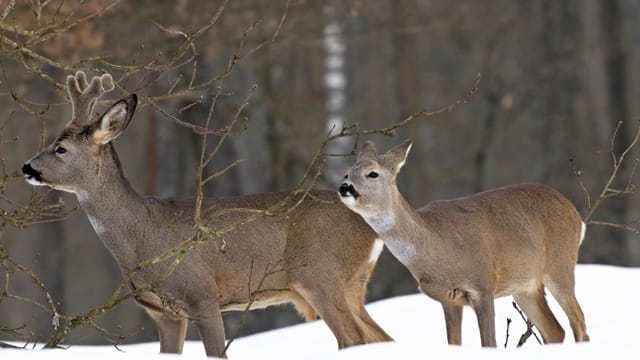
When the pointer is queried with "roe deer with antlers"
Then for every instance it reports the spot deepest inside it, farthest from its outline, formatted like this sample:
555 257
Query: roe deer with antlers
514 240
319 256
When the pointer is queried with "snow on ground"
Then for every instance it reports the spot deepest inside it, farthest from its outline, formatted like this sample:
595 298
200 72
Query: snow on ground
608 295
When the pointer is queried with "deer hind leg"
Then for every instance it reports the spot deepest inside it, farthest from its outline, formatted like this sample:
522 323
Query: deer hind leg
535 306
483 306
453 321
355 292
304 308
334 310
562 289
373 332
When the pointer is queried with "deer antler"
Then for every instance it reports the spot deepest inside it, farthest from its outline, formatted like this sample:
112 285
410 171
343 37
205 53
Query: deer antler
84 95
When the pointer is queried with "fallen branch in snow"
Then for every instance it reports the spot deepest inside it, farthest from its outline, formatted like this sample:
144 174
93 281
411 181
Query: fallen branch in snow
506 340
527 334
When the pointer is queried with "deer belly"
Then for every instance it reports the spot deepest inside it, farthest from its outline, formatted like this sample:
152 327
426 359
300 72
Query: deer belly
256 300
515 287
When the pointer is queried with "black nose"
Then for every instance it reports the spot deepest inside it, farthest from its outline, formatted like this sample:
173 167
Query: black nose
30 172
345 189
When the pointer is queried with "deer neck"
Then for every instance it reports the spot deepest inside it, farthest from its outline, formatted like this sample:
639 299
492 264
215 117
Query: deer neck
113 208
402 230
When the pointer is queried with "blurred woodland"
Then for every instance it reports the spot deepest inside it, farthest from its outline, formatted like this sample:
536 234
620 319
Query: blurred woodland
557 78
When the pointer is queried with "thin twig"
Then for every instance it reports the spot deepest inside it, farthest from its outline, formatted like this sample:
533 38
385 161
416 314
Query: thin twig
524 337
607 190
506 340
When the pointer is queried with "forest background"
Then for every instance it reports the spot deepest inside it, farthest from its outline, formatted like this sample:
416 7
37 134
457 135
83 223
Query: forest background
558 77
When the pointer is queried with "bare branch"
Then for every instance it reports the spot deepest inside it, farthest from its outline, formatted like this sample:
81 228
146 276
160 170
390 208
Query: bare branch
617 162
204 230
578 175
633 229
221 171
506 339
527 334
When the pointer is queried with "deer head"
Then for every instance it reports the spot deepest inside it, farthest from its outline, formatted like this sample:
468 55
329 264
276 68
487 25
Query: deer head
370 184
73 160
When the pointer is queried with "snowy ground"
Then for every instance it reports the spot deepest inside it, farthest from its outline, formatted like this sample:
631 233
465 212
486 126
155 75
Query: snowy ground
608 295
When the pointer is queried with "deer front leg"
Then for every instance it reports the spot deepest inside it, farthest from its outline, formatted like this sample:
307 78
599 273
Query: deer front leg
171 331
208 320
453 321
483 306
452 300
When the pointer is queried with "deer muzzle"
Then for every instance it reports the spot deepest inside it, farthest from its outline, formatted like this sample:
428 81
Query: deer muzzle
347 190
30 173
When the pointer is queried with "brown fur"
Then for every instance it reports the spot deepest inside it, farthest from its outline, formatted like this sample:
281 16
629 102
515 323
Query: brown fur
513 240
316 256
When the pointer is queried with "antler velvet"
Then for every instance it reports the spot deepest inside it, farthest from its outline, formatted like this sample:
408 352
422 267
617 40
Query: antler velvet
84 95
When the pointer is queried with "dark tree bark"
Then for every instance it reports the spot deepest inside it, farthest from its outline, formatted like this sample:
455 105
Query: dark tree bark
615 42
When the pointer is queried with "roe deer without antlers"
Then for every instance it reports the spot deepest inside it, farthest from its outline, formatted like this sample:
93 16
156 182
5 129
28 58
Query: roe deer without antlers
324 252
514 240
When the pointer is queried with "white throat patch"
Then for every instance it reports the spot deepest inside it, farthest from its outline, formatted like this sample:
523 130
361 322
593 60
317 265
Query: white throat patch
381 222
404 251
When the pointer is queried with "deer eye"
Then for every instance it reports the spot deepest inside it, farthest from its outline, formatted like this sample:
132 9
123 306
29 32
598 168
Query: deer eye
346 176
372 175
60 150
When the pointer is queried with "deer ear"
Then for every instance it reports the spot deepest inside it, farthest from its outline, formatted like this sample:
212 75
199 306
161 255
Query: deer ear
395 157
368 151
113 122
